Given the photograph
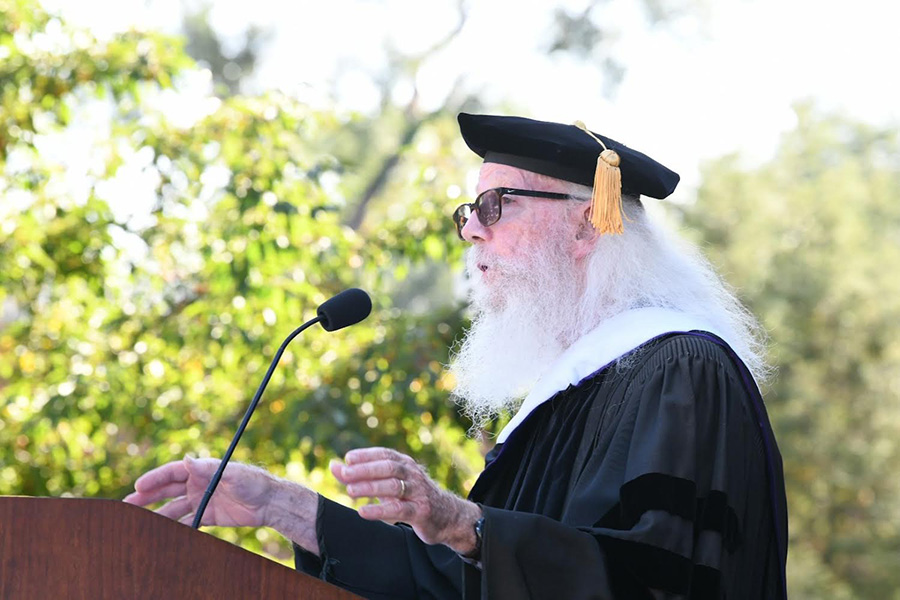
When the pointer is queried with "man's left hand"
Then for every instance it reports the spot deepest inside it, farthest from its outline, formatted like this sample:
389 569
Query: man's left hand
406 494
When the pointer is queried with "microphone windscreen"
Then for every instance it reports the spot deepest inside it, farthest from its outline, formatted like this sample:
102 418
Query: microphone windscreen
345 309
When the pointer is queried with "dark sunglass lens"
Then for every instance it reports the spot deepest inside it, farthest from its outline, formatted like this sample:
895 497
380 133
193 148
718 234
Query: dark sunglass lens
488 207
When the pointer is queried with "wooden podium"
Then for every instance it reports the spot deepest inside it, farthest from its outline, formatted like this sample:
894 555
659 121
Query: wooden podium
92 549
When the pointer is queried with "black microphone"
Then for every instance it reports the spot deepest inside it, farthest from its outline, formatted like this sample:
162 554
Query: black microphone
347 308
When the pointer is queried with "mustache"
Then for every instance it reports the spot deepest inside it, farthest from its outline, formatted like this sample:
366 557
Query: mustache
479 259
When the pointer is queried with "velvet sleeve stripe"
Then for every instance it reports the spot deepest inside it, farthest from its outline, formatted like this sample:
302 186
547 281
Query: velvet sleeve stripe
656 491
676 496
716 515
635 567
705 583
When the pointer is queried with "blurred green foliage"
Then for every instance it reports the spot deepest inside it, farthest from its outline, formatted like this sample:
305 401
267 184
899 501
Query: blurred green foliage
144 289
139 332
812 242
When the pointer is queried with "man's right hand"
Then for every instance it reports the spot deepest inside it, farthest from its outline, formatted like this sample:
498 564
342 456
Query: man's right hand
245 497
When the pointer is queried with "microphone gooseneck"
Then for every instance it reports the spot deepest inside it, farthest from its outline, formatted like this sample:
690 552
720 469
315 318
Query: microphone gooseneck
347 308
214 482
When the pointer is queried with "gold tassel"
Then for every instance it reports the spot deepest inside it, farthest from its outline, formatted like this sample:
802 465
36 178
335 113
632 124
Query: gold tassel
606 200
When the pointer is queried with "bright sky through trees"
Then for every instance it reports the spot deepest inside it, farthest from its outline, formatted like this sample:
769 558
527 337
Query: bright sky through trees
723 79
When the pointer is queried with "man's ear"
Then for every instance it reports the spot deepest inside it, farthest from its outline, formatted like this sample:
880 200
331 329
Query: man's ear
585 234
585 231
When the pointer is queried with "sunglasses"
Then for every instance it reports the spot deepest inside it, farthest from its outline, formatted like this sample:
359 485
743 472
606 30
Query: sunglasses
489 204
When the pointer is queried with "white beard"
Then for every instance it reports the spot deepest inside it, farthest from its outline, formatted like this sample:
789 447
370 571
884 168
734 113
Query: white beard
523 321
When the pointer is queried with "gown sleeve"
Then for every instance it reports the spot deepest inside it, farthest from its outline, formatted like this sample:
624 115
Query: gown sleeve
671 501
377 560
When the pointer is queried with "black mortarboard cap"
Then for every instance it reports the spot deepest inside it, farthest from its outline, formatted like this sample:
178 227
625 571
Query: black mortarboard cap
565 152
561 151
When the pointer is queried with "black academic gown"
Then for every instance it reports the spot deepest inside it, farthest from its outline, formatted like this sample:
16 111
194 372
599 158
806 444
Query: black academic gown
648 479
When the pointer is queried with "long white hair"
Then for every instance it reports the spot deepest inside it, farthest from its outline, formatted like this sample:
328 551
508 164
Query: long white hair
648 267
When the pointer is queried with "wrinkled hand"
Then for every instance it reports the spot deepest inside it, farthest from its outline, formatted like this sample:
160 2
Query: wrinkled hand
407 494
241 498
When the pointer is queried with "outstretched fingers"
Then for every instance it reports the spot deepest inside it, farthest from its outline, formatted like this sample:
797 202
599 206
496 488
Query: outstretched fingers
405 493
177 509
156 494
396 480
380 488
366 455
371 471
173 472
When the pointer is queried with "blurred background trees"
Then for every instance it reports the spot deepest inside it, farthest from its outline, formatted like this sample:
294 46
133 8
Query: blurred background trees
157 242
148 279
812 241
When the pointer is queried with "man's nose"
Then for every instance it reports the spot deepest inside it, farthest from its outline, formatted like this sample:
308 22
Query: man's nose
473 231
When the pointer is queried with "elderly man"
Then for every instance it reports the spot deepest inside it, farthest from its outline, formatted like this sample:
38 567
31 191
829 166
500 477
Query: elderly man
639 463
